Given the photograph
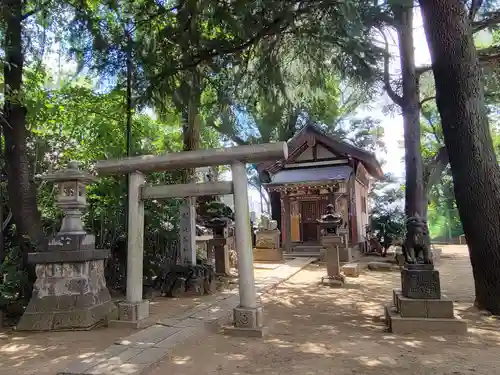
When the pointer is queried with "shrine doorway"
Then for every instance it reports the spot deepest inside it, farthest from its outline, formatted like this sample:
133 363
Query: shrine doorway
310 212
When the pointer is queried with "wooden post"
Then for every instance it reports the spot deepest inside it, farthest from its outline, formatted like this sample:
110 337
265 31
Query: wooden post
288 224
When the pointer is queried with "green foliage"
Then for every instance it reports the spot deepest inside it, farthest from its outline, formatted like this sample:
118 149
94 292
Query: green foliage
13 277
216 209
387 215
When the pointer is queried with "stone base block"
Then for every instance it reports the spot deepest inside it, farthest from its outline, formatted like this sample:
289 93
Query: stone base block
351 269
422 308
248 317
133 311
267 255
336 281
398 324
420 282
245 332
67 296
133 324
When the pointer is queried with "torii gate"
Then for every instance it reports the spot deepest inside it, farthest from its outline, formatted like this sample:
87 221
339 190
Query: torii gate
248 315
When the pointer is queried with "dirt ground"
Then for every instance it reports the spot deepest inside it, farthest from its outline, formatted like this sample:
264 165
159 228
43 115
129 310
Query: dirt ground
47 353
318 330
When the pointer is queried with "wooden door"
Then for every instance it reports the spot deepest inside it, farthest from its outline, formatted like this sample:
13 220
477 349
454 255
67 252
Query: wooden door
309 214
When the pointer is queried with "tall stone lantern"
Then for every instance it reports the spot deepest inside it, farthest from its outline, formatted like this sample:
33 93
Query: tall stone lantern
70 291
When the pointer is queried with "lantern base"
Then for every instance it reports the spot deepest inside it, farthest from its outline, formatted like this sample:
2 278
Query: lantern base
67 256
67 296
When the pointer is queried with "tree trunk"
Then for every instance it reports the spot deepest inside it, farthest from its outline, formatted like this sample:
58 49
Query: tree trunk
21 189
433 174
475 170
191 117
414 192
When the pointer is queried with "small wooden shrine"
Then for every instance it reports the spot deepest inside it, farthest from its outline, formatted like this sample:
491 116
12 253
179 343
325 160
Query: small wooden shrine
320 170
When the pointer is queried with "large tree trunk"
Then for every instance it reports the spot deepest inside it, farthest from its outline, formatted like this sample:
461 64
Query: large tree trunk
475 170
21 188
414 191
191 117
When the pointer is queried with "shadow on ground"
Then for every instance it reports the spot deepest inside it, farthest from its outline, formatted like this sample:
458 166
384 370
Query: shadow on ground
321 330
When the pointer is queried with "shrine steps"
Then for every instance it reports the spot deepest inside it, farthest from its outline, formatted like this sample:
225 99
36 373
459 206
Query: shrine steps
292 255
305 250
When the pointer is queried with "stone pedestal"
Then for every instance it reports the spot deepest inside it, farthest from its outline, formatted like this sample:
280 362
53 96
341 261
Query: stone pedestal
334 276
267 239
420 281
419 305
247 322
267 247
345 254
131 313
221 255
70 291
188 231
267 255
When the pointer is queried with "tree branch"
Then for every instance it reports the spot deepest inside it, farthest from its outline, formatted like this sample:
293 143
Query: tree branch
491 19
434 129
277 25
238 140
387 79
423 101
474 7
484 55
436 168
35 10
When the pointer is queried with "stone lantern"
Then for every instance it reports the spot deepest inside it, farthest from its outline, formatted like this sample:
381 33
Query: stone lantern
332 242
71 197
70 291
219 226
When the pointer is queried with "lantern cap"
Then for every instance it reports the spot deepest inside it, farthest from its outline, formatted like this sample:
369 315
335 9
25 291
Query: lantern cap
71 173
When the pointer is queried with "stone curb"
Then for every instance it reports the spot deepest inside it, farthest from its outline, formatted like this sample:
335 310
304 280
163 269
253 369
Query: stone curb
135 354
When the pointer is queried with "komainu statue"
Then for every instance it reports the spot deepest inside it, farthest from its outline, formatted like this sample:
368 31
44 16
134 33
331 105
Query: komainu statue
416 248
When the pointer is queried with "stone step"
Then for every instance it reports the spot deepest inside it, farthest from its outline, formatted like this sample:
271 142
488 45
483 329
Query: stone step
400 325
422 308
302 255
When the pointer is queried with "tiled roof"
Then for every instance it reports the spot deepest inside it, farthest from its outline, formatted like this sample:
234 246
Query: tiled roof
331 173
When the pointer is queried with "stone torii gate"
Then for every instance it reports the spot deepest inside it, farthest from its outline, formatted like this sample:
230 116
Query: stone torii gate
248 315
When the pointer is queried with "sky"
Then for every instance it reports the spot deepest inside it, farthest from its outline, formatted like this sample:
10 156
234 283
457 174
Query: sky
393 123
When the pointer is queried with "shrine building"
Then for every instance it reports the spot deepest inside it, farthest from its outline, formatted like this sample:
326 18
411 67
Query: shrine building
320 169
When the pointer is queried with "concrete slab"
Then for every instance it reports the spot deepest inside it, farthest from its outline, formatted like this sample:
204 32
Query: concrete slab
149 337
